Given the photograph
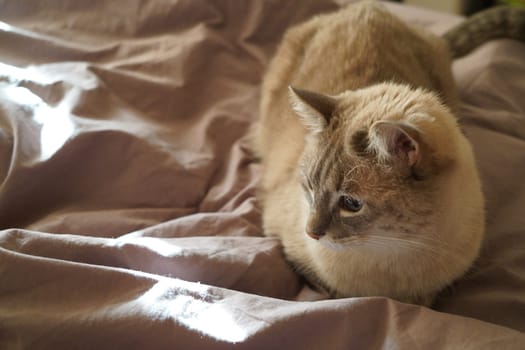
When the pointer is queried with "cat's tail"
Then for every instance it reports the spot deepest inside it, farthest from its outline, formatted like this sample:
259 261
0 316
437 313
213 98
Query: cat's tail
494 23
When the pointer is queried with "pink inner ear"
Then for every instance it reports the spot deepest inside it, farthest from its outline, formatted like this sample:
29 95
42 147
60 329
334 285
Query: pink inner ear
407 146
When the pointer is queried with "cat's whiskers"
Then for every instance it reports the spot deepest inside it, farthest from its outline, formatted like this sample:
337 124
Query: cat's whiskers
434 247
435 250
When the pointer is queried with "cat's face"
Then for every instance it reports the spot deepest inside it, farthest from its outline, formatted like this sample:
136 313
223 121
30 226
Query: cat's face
355 200
366 180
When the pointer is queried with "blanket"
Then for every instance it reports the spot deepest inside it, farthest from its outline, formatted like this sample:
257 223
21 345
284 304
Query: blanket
128 217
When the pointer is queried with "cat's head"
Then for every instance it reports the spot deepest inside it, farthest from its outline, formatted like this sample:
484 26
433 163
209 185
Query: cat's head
377 164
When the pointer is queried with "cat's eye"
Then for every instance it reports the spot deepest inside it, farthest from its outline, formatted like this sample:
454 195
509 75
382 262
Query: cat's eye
350 204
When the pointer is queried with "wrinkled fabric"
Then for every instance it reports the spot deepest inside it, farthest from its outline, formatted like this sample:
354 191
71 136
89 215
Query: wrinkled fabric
127 192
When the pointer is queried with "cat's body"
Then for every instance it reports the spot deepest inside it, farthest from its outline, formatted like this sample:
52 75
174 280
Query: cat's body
368 180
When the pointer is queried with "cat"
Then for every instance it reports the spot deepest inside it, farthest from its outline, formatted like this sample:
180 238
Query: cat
368 180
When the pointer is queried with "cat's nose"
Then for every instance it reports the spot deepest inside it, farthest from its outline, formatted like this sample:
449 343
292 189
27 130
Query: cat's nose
315 235
317 224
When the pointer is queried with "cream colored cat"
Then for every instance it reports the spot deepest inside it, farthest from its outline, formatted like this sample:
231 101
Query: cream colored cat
368 180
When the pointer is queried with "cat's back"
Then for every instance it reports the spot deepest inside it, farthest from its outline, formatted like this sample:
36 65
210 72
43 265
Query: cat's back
355 47
358 46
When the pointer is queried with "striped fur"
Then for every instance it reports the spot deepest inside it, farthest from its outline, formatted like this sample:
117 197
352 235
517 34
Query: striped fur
500 22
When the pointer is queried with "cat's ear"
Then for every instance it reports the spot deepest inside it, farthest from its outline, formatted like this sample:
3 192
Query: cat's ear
315 109
395 141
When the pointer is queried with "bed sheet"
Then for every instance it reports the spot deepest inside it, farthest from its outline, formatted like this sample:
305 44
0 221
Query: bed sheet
127 192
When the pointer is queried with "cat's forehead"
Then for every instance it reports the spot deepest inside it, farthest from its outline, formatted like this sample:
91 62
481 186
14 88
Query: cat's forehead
334 168
361 108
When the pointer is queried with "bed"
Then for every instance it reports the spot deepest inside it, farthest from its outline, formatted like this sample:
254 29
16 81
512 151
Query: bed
128 217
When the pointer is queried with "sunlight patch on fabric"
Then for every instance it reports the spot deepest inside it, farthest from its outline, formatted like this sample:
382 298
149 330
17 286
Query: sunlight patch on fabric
194 307
56 125
13 74
158 245
5 27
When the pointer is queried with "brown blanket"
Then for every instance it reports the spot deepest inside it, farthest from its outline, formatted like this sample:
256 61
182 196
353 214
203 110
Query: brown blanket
127 212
